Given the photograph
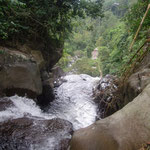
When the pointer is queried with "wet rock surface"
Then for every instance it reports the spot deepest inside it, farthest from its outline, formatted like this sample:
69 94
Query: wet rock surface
47 95
29 133
57 72
49 82
5 103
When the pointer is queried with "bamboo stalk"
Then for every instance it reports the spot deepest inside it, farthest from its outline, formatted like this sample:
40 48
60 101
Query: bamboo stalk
139 28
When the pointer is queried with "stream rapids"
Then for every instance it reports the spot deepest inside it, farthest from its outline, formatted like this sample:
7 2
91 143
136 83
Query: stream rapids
73 102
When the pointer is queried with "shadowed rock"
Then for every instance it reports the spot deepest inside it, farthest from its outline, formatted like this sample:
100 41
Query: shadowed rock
19 74
5 103
24 77
136 83
27 133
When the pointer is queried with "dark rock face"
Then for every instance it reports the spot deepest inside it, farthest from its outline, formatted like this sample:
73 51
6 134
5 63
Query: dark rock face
19 74
27 133
57 75
107 96
57 72
50 80
24 70
47 95
5 103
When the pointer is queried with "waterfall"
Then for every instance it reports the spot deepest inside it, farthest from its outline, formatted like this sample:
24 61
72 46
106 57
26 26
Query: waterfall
73 103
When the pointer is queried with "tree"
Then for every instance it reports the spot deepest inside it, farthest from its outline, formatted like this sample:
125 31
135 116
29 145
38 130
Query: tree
43 19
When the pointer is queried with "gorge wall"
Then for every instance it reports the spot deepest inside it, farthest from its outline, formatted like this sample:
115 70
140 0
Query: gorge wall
24 69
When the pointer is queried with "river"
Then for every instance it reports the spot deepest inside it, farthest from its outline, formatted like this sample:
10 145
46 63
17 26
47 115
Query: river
73 103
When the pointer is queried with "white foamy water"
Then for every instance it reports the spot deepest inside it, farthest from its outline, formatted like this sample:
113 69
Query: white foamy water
73 103
23 107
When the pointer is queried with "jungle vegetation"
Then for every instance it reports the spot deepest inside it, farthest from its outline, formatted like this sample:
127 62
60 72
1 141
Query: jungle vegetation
44 20
112 35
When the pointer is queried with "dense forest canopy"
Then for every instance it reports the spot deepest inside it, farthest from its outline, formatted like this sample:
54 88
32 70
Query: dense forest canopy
80 26
43 19
112 35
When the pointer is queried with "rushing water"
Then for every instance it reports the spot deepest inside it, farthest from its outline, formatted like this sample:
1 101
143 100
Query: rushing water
73 102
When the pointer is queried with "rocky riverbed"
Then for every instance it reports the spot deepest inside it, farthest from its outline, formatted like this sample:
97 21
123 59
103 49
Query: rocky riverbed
24 126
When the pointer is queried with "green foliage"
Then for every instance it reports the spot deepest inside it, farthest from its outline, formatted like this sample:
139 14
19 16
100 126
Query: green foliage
43 19
117 7
9 26
81 37
103 58
135 15
1 51
64 61
115 41
85 66
112 35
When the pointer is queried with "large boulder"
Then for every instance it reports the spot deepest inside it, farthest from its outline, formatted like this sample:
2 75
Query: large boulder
23 68
136 83
127 129
138 80
28 133
19 74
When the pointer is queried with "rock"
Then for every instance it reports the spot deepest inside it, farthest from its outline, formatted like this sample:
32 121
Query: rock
52 56
59 82
5 103
21 79
57 72
37 56
139 78
44 75
127 129
111 95
29 133
135 84
56 77
47 95
23 67
19 74
51 52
